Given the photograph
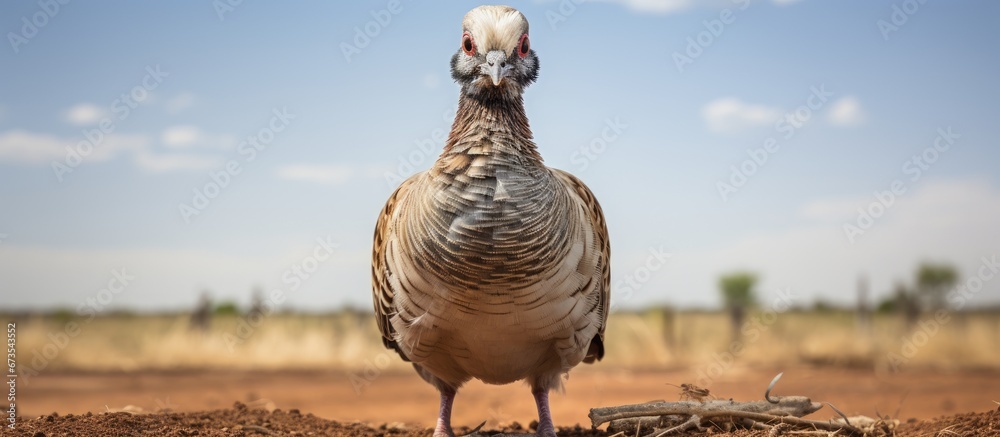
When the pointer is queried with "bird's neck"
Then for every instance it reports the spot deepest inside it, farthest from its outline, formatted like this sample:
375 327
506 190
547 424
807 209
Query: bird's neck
489 124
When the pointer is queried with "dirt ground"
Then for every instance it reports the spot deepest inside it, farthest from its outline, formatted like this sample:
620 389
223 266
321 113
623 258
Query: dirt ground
400 403
241 421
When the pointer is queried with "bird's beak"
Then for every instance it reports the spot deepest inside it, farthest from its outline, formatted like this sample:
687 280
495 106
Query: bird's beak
496 73
496 66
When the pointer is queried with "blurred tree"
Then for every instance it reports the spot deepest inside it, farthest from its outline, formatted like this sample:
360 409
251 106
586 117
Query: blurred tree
227 308
906 302
737 294
201 316
124 313
887 305
933 283
63 315
256 302
863 314
823 306
668 319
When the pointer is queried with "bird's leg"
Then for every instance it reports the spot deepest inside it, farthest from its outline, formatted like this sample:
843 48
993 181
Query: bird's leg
545 427
443 428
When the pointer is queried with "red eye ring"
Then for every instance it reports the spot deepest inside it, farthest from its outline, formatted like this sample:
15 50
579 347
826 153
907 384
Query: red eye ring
468 44
523 46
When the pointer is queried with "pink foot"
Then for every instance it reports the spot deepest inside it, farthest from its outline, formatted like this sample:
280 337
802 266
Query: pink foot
545 427
443 428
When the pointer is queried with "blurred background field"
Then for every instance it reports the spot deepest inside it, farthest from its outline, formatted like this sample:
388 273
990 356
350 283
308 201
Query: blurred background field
649 339
333 364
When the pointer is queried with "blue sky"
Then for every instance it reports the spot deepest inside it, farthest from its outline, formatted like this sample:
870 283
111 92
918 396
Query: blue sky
180 86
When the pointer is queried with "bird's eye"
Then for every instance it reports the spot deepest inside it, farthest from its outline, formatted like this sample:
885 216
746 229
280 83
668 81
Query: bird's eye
468 45
523 46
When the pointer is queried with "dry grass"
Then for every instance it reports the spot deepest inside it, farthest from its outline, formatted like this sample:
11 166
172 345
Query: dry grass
649 339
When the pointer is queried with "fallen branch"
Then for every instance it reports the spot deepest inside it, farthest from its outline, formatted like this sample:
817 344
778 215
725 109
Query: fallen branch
780 414
796 406
739 410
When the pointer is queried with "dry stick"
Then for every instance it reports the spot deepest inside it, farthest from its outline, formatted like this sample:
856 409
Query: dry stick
841 413
768 418
807 433
778 429
693 422
599 416
767 393
475 431
789 411
797 406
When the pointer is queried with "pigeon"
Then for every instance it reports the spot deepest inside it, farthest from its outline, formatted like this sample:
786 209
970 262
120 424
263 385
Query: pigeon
491 265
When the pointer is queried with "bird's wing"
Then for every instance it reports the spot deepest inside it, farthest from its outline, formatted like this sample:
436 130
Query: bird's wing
382 291
597 225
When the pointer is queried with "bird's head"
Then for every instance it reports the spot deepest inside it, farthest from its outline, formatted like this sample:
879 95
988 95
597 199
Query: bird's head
495 50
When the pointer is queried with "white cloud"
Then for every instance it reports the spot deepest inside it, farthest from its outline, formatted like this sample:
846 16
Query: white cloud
180 102
654 6
114 144
164 162
322 174
25 147
941 202
731 114
85 114
846 111
182 137
330 174
830 210
22 147
18 146
942 220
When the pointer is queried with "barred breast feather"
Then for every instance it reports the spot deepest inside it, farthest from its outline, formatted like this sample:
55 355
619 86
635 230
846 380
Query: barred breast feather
491 265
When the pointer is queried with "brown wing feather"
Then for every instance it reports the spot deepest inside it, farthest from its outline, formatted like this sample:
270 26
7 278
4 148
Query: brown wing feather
600 227
382 292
